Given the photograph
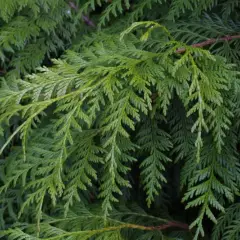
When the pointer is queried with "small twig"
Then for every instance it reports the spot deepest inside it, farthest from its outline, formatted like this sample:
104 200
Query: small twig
170 224
209 42
85 18
2 72
88 21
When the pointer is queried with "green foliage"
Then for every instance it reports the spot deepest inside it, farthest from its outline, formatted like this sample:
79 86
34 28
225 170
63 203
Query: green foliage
213 178
31 30
228 224
178 7
142 107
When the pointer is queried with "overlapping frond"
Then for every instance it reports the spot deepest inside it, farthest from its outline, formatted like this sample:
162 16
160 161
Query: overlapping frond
154 143
212 178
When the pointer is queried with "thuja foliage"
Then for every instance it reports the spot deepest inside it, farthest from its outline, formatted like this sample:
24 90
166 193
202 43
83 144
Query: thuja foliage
133 132
33 31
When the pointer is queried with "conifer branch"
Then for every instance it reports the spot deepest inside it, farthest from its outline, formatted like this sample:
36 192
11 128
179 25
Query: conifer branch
209 42
94 232
124 226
